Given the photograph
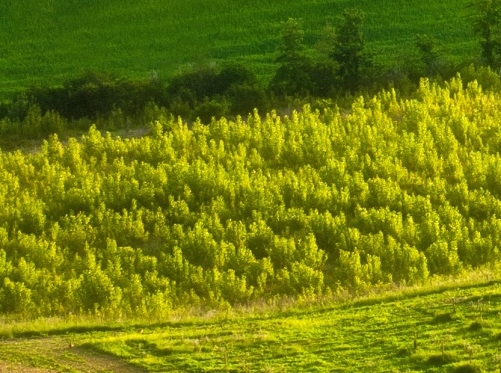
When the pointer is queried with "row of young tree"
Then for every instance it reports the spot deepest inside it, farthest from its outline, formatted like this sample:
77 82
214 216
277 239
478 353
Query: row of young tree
344 65
340 66
391 191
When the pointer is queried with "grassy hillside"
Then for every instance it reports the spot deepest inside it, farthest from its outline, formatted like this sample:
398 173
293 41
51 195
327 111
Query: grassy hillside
455 328
46 41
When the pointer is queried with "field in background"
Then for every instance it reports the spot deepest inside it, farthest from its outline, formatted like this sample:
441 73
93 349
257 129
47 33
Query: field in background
48 41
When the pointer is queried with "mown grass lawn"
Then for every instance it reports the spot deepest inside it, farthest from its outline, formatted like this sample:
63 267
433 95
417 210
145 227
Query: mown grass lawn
434 329
446 330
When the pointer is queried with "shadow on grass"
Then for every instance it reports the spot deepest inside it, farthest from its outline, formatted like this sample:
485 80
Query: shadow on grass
440 359
82 329
467 368
442 318
92 350
61 331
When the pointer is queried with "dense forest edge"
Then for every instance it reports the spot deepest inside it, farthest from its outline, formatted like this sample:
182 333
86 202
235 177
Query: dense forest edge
334 67
359 179
319 202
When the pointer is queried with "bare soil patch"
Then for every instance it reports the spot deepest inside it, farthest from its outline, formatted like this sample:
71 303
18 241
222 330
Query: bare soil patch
56 354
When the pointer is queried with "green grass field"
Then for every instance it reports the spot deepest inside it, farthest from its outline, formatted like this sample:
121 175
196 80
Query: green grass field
48 41
452 328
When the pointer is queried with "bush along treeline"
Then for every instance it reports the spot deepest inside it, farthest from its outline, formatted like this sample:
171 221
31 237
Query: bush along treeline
393 191
338 68
113 103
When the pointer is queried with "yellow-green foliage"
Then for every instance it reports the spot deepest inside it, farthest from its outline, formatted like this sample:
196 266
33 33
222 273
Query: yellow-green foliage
389 191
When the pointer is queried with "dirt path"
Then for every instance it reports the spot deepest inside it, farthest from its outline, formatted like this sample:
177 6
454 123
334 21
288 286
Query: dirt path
19 368
51 355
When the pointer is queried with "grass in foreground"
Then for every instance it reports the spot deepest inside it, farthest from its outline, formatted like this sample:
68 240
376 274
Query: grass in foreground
448 329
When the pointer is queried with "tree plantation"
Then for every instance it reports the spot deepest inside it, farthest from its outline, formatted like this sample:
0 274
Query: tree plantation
390 191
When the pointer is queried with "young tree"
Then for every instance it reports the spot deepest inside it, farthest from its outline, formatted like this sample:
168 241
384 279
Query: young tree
292 76
292 41
348 49
427 46
487 26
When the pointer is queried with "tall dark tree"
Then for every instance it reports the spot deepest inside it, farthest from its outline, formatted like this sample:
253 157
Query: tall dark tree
349 48
427 46
292 76
292 41
487 25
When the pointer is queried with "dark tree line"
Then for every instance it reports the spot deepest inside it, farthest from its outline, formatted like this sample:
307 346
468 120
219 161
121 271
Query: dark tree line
343 70
208 92
341 66
486 22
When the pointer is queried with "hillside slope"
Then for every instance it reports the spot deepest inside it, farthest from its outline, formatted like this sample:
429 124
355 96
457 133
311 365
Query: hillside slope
394 191
455 328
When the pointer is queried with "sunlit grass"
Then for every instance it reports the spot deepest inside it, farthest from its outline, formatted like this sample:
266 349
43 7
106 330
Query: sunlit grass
408 334
445 325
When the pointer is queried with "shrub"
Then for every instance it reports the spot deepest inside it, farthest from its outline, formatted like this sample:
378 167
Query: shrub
485 76
212 92
193 87
245 98
15 297
90 95
210 109
97 291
